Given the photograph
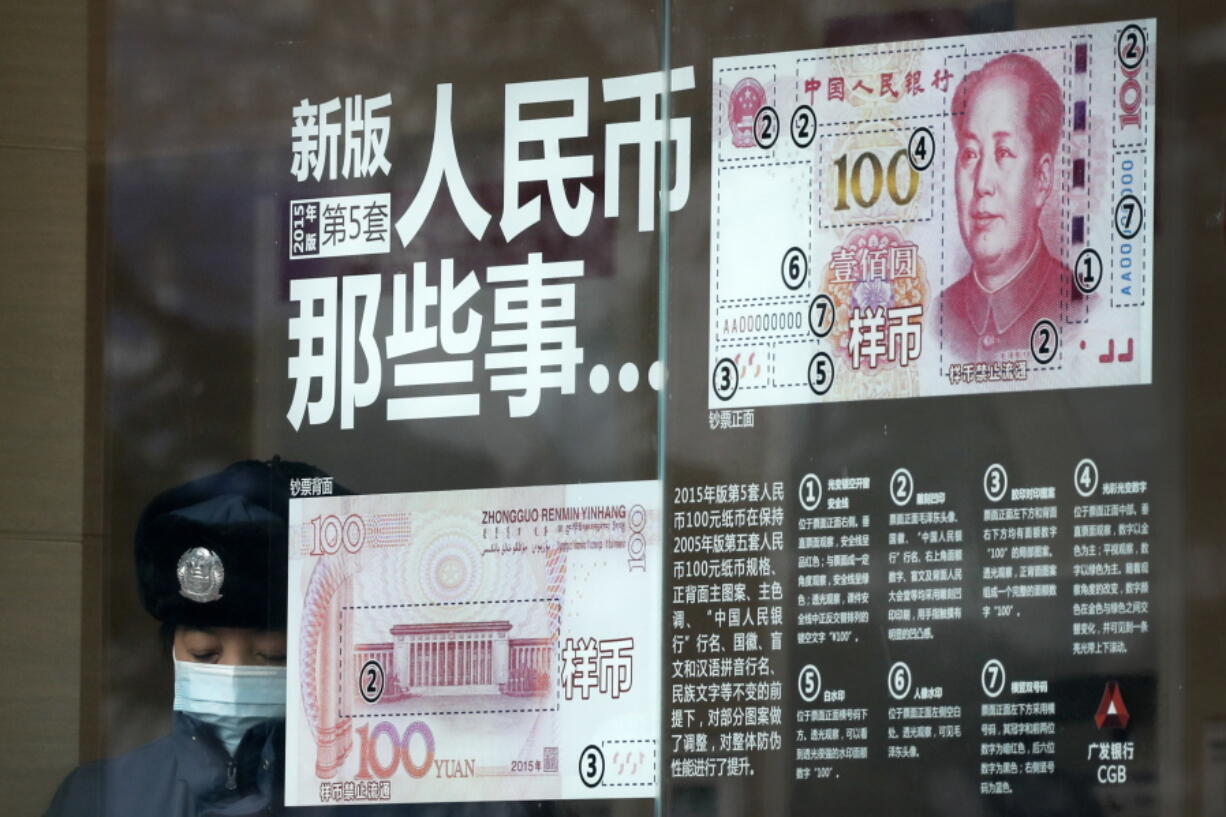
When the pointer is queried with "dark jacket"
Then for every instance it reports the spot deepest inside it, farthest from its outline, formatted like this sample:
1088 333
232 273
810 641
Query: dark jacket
189 773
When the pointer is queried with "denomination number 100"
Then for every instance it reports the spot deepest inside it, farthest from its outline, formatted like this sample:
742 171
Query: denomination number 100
401 750
898 160
330 533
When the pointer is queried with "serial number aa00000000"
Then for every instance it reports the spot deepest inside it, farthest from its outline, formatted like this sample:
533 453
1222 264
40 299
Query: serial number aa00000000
772 321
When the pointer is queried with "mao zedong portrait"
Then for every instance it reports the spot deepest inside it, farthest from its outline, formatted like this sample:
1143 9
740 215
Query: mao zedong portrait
1007 117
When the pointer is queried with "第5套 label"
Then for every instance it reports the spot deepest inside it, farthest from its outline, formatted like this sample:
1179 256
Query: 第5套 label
339 226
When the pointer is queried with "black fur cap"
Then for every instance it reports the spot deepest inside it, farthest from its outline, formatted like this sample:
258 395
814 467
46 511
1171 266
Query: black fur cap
240 518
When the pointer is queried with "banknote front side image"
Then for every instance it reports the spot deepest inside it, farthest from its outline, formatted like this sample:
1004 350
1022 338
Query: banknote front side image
484 645
952 216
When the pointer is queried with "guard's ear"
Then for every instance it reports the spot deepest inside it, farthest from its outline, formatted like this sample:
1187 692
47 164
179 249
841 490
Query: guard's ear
1044 172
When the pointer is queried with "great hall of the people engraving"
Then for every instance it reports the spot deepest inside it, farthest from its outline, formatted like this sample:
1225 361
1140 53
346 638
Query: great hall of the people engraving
460 658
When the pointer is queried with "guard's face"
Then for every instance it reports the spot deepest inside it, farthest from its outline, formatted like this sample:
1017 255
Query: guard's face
999 181
236 646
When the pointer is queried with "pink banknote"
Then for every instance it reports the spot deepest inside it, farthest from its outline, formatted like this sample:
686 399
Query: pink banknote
475 645
953 216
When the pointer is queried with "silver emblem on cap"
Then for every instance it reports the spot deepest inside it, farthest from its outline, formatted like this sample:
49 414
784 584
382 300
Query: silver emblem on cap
200 575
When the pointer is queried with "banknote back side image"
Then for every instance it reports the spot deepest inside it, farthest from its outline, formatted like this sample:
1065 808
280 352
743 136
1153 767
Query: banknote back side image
613 408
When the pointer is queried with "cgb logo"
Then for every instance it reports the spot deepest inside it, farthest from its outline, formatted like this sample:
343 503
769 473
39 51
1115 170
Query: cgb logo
1112 713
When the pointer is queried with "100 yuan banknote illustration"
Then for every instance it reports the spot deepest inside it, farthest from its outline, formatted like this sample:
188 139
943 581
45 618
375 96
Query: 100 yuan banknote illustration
475 645
953 216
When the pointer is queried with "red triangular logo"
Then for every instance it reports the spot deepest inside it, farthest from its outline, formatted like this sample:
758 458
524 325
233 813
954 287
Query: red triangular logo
1112 714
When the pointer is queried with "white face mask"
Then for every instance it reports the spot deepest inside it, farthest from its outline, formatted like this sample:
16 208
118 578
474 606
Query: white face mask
230 698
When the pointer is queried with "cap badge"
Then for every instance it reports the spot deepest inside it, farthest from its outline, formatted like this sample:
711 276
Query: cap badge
200 575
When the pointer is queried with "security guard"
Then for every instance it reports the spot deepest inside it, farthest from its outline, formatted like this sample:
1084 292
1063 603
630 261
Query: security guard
211 565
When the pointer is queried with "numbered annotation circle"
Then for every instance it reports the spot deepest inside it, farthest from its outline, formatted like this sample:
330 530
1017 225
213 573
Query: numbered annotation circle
899 680
725 379
371 680
809 683
1085 477
1131 46
995 482
821 373
591 766
920 148
804 126
1044 342
821 315
1088 271
902 486
794 268
810 492
1129 216
992 678
766 127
